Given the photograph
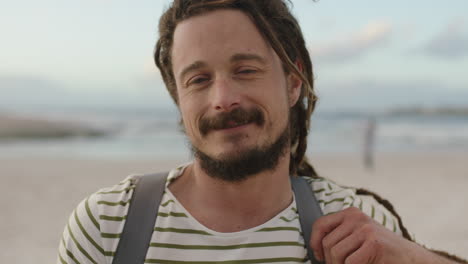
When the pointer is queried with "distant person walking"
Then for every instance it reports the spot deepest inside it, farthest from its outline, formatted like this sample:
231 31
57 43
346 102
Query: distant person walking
369 143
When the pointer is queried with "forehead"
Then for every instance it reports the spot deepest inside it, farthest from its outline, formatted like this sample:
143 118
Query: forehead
215 36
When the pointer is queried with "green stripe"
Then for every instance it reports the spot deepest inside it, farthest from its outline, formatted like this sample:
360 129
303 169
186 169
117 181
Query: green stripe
110 235
79 246
90 239
69 254
394 224
244 261
309 181
360 204
172 214
315 179
335 192
319 190
332 212
350 203
215 247
373 212
166 203
90 214
119 191
384 219
329 186
183 231
61 259
122 203
281 228
332 201
289 220
112 218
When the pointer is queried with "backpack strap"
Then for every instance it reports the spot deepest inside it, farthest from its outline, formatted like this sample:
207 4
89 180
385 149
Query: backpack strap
143 210
141 217
308 209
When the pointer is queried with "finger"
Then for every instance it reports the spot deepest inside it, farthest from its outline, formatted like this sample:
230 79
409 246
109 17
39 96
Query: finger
346 247
335 237
320 229
364 254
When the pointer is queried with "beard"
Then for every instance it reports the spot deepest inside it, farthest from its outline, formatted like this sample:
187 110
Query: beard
242 164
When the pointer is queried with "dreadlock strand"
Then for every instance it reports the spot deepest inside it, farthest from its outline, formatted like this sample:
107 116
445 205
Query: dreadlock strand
389 207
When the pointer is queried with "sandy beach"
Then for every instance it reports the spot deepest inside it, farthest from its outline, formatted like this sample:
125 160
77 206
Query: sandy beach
428 190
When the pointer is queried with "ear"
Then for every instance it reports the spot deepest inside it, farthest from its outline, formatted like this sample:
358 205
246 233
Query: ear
294 86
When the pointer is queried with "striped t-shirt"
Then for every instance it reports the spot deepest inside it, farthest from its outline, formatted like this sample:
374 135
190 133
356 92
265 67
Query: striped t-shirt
93 230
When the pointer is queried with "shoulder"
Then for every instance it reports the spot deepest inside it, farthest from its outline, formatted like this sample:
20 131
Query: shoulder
93 230
333 198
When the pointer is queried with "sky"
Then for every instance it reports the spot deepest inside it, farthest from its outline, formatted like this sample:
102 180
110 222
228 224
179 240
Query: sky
367 54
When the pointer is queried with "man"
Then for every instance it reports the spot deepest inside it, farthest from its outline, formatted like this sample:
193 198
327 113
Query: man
241 77
369 143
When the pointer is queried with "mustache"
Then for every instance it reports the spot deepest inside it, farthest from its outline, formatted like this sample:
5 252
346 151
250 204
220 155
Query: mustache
236 117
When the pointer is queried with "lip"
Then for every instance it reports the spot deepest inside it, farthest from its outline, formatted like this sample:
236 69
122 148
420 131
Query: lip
234 129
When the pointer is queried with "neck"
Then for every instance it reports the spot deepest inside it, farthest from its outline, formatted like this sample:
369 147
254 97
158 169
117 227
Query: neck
240 205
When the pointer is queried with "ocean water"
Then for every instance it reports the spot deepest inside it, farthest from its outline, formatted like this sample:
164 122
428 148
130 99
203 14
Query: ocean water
134 133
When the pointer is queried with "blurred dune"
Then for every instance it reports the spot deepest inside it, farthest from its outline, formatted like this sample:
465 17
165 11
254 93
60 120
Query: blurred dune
17 127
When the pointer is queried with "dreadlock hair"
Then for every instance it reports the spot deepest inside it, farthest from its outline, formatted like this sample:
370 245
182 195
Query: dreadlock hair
281 30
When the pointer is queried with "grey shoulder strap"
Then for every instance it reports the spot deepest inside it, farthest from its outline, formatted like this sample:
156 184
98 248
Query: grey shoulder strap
308 209
141 216
143 210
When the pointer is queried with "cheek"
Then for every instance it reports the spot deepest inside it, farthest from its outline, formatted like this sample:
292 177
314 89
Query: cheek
189 116
186 119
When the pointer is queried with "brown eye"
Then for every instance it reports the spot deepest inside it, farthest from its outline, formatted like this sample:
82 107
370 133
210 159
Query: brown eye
247 71
198 80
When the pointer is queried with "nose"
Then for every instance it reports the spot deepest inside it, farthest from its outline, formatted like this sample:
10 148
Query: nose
225 97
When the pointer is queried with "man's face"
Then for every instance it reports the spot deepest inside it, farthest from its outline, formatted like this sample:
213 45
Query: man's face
232 91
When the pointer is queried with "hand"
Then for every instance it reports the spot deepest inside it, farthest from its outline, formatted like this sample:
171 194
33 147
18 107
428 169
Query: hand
352 237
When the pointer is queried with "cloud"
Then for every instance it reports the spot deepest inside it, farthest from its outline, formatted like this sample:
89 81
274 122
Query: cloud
450 43
355 45
372 93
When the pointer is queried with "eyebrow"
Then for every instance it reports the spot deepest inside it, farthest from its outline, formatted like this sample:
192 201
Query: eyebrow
247 56
192 67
